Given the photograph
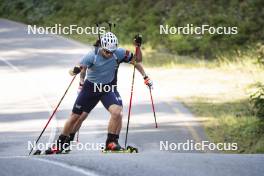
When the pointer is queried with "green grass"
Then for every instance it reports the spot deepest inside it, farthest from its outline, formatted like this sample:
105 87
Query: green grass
225 102
160 58
163 59
230 122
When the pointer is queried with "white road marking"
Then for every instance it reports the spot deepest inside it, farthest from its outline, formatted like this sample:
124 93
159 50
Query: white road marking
68 166
71 167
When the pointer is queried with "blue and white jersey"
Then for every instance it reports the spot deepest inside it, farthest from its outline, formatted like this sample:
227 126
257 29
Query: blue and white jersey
102 70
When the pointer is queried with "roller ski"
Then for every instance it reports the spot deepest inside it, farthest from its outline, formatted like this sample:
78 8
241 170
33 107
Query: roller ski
114 147
129 149
51 151
62 147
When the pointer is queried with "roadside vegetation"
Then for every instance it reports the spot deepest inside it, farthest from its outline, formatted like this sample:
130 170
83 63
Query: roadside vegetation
230 97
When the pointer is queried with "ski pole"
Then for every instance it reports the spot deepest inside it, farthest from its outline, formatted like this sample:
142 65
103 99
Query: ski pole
97 25
54 111
78 135
110 25
130 105
153 107
130 102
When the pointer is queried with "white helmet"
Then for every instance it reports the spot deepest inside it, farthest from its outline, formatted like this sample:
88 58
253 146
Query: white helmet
109 41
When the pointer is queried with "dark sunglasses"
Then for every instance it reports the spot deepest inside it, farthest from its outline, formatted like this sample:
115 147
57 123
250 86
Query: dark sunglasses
107 52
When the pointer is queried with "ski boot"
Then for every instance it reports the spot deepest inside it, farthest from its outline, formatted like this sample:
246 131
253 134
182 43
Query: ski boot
113 146
62 146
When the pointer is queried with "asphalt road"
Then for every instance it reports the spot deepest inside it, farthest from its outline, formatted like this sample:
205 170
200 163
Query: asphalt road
34 75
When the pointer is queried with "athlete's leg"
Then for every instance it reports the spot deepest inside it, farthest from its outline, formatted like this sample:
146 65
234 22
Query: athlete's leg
119 126
115 121
111 103
121 104
84 103
79 122
68 127
77 125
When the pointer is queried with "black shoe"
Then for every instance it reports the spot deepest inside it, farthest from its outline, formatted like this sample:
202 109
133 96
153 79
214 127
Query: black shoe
50 151
62 144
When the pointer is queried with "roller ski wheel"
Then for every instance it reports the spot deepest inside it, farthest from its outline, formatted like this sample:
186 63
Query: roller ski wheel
129 149
61 141
46 152
37 152
132 149
54 151
51 152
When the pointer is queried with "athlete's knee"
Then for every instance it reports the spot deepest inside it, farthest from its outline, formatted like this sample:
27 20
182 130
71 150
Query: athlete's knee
116 111
73 118
83 116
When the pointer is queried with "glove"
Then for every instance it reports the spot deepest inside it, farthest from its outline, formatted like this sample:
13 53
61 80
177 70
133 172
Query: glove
148 82
80 87
138 40
76 70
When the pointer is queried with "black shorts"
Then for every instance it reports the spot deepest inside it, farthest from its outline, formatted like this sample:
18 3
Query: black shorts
89 97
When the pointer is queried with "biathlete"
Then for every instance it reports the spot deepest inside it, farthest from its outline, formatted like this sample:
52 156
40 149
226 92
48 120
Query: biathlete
99 69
